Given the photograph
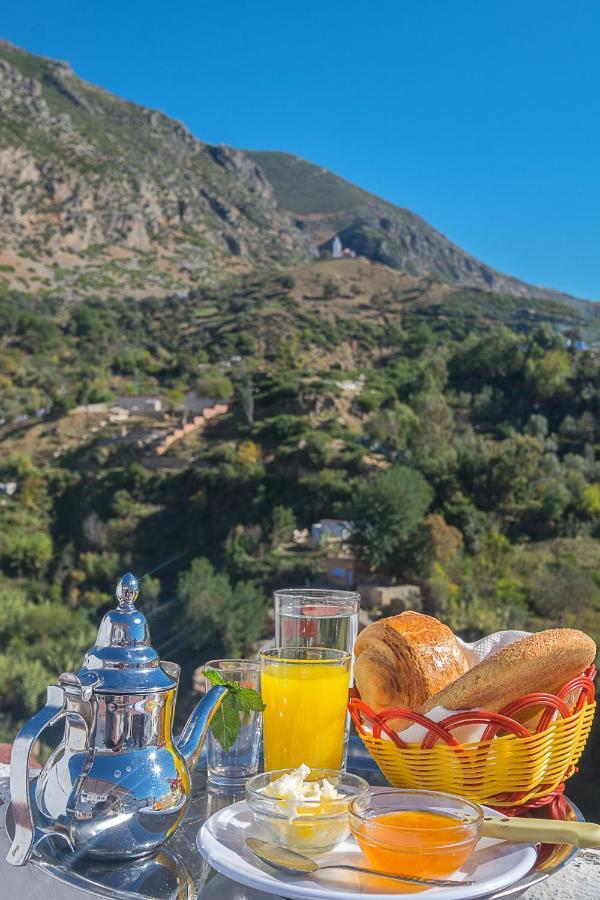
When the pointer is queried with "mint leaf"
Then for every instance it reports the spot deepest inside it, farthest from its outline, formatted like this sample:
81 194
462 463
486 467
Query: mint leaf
239 701
248 700
226 723
213 676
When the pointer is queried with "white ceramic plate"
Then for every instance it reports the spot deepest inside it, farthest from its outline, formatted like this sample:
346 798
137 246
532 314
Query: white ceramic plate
222 842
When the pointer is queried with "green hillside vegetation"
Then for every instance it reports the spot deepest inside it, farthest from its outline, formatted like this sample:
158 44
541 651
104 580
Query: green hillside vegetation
468 462
304 188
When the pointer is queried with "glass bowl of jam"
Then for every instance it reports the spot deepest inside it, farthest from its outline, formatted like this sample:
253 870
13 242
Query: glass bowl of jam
423 833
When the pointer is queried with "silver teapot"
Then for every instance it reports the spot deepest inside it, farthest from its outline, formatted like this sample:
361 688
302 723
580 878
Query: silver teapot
119 783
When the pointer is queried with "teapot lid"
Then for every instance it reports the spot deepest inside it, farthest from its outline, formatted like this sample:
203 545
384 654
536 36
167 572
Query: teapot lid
122 658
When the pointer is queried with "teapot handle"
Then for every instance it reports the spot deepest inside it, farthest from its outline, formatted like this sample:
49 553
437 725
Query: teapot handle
70 698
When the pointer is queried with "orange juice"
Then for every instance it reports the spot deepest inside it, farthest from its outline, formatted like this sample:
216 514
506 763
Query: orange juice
305 716
415 842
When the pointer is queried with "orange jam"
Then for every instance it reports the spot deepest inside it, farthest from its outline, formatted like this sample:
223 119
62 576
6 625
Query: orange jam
415 842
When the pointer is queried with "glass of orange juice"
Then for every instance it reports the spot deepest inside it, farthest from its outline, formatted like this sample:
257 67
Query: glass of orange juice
305 690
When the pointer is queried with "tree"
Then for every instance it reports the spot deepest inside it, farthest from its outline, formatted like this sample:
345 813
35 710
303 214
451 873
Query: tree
151 588
245 393
38 334
479 594
470 521
324 492
561 590
548 375
37 641
244 389
392 426
30 479
331 289
447 541
287 355
431 439
592 500
419 337
214 385
94 531
216 613
537 427
245 618
545 337
504 474
27 550
387 513
248 453
204 595
284 522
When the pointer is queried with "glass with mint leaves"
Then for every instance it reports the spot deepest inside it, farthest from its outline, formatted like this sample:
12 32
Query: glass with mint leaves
233 742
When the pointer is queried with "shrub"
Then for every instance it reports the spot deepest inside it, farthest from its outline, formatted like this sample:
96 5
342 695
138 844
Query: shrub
331 289
387 514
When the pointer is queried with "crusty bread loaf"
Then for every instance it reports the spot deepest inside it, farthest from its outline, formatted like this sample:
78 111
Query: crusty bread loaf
542 662
403 660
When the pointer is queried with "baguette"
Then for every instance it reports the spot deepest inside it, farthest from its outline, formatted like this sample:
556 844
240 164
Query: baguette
539 663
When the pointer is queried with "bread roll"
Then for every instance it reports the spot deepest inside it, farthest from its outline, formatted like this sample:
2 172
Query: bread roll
542 662
404 660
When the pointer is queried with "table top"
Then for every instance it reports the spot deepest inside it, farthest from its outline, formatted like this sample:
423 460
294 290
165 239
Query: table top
178 872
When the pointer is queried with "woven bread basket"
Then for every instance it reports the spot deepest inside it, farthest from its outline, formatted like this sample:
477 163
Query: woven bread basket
512 767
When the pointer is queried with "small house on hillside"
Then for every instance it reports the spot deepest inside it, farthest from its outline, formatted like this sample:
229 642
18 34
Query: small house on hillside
141 404
351 385
340 569
398 597
340 252
330 531
156 462
135 437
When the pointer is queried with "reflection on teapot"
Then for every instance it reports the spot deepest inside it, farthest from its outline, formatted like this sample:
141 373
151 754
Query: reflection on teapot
162 875
118 785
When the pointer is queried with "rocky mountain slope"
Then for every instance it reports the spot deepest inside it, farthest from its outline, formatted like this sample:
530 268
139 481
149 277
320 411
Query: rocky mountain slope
98 192
102 196
323 205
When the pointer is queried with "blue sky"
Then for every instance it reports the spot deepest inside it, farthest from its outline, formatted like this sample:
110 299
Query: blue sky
480 115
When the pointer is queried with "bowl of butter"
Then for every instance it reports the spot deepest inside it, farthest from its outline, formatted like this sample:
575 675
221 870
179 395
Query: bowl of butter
303 809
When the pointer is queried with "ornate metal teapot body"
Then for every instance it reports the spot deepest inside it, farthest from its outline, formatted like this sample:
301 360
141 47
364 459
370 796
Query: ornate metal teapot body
118 784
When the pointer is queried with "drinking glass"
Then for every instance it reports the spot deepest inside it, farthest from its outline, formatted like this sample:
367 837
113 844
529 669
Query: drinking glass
229 769
305 690
311 617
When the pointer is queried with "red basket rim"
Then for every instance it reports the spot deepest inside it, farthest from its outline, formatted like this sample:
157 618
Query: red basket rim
497 723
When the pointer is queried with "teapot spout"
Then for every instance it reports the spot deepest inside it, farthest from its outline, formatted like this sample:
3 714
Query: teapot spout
190 741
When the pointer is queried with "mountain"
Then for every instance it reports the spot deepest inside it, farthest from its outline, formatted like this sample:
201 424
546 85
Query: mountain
102 196
97 192
323 205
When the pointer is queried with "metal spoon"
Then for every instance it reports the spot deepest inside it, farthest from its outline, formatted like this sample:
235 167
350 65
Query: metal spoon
297 864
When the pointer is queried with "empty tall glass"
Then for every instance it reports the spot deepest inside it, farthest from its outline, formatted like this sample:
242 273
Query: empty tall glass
311 617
